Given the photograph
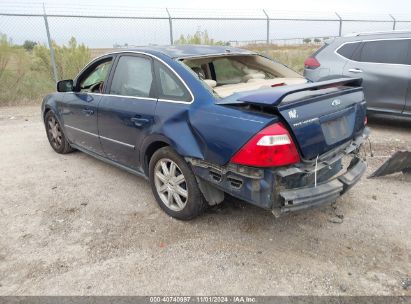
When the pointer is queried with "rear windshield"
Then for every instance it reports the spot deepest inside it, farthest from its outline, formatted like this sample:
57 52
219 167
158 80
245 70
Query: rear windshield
230 69
227 74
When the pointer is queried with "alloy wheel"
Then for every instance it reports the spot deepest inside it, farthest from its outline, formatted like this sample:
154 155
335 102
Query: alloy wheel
54 132
170 184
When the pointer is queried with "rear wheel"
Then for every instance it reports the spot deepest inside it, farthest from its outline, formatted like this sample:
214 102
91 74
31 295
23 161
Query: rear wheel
175 186
55 134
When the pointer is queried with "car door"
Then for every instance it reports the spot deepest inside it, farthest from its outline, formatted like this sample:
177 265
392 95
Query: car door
81 106
381 64
126 113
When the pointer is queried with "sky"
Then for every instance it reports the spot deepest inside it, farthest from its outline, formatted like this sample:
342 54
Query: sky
104 33
363 7
356 6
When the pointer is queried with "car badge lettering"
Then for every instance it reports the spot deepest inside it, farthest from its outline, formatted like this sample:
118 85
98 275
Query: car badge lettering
336 102
293 114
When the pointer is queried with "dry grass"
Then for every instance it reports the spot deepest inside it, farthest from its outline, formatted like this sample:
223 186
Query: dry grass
292 56
20 82
99 52
23 82
25 75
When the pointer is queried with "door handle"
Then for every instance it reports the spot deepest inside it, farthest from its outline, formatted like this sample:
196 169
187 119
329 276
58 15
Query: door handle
139 121
88 112
356 70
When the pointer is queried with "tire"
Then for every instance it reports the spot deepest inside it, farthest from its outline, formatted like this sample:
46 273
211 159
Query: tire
55 135
174 185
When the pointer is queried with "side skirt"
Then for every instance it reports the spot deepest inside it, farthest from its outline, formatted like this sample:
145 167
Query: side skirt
109 161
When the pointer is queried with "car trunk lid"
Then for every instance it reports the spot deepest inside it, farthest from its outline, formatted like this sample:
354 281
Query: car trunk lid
320 116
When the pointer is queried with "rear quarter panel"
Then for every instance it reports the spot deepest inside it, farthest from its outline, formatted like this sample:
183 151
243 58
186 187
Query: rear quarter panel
207 131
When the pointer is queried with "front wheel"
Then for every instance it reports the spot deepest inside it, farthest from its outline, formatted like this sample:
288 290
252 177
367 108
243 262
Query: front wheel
55 135
174 185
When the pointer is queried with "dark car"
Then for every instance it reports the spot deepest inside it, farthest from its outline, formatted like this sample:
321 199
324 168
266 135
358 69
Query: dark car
200 122
382 60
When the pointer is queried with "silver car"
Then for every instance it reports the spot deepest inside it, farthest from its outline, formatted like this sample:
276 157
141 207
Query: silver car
382 59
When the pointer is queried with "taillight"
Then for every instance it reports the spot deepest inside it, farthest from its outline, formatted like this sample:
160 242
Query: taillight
365 120
311 63
271 147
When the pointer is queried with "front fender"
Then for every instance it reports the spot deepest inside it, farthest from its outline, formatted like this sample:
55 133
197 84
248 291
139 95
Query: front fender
48 103
53 102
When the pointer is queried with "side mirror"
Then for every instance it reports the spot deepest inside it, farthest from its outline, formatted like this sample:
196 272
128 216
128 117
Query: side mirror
65 86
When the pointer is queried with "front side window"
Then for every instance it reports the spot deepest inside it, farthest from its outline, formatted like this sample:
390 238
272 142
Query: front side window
385 51
170 87
93 80
133 77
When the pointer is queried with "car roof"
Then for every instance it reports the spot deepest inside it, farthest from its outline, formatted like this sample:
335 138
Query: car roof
187 50
375 35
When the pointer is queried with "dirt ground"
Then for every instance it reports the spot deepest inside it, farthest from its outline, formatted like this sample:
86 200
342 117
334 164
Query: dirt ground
73 225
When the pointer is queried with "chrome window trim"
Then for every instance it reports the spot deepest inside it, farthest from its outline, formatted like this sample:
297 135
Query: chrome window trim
133 97
173 101
99 136
182 58
368 40
151 56
114 95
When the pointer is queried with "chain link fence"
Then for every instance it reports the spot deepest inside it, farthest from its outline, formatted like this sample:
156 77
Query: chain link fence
102 29
165 26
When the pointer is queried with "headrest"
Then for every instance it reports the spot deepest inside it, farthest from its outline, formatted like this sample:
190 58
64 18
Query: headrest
210 82
256 80
199 71
253 76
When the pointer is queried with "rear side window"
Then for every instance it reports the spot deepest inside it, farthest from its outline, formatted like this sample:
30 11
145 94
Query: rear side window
169 86
385 51
347 50
133 77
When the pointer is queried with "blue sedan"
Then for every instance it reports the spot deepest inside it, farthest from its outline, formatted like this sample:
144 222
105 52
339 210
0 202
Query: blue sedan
200 122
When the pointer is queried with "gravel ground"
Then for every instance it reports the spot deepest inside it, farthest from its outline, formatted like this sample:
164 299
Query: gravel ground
73 225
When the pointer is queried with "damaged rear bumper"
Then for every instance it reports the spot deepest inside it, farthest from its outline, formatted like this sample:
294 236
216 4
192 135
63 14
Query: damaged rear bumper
328 192
301 186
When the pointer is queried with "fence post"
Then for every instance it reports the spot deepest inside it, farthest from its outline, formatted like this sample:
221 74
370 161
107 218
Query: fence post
170 21
394 22
52 58
268 27
340 28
